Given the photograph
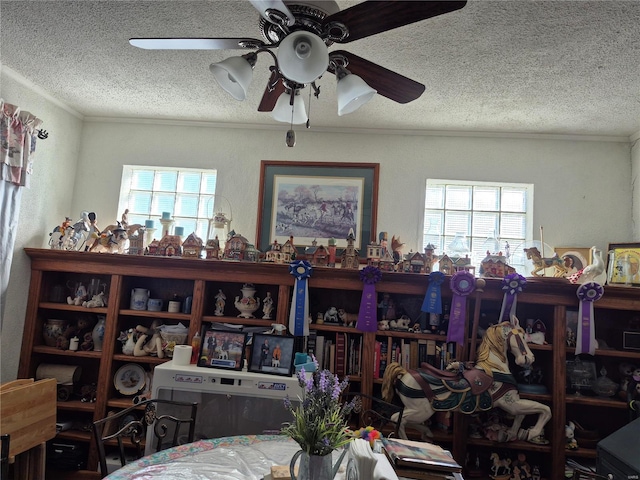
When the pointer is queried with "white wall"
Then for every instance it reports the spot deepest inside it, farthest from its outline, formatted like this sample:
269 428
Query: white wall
582 188
43 206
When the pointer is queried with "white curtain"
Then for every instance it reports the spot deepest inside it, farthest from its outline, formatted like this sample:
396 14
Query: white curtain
17 146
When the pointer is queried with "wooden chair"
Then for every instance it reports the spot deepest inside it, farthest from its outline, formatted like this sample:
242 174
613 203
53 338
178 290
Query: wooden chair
4 456
378 414
132 424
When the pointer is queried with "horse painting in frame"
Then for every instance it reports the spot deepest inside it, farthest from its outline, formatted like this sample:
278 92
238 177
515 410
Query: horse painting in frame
491 360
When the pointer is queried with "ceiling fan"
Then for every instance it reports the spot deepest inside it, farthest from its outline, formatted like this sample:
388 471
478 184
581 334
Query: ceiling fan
301 32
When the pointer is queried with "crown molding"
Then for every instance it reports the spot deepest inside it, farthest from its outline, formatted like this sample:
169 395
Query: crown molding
25 82
366 131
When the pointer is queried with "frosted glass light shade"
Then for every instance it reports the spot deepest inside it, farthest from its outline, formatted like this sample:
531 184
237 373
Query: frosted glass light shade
282 110
353 92
234 74
302 57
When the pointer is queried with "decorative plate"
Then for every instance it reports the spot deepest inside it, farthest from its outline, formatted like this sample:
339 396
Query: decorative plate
130 379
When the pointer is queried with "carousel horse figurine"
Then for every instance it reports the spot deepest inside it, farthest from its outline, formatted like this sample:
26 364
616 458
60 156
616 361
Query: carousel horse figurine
475 387
540 263
500 465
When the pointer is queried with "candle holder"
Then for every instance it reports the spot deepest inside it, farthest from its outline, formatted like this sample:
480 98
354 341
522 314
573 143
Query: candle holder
148 236
167 226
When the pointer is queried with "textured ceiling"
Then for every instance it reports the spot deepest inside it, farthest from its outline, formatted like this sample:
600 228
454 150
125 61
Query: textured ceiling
567 67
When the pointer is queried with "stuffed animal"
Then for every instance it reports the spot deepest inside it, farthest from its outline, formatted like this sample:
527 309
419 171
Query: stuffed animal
83 326
331 315
97 301
348 319
401 323
383 325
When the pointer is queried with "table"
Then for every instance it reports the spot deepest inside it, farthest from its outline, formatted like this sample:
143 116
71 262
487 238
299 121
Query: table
245 457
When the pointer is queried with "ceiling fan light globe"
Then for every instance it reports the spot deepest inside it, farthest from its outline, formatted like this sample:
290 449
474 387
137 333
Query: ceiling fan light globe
352 92
302 57
234 75
282 111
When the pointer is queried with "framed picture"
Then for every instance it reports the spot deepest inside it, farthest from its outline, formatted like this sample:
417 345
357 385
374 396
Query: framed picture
317 201
624 264
575 258
222 349
272 354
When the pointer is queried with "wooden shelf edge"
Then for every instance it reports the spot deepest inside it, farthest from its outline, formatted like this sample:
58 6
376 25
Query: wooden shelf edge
67 353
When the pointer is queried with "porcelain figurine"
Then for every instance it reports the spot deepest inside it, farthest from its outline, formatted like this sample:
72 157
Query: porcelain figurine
220 302
267 307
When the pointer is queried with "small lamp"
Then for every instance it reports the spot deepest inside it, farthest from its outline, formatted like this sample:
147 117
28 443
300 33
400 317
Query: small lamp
352 91
220 225
287 113
234 74
302 57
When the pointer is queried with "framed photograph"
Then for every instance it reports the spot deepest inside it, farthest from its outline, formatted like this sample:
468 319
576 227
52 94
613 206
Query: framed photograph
316 201
624 264
222 349
272 354
575 258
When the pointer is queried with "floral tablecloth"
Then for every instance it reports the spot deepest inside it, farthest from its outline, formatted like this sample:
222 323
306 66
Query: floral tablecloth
245 457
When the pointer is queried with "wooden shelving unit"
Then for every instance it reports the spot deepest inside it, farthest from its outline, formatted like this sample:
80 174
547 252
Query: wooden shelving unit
547 299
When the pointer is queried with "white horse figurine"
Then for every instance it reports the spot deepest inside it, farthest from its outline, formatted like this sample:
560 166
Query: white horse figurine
487 384
498 463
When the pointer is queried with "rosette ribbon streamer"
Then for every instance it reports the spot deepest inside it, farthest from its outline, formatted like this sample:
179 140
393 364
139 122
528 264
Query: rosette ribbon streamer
511 285
586 334
368 314
299 313
432 302
462 284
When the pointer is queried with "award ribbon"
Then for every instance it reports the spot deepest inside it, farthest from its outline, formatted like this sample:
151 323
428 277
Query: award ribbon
586 335
432 302
511 284
462 284
368 314
298 325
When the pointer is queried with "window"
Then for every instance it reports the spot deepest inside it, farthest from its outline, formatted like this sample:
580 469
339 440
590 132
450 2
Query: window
184 192
488 215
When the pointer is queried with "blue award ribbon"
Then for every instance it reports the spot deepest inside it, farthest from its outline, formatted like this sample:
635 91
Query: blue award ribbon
299 312
511 284
432 302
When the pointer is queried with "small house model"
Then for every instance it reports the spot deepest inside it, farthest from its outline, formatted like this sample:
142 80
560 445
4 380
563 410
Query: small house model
446 264
251 253
463 264
235 247
170 246
387 263
331 248
374 253
212 249
495 266
152 248
136 242
317 255
192 246
350 257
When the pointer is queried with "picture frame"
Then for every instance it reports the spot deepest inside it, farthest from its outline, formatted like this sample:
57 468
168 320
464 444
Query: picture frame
624 264
272 354
222 349
575 258
317 201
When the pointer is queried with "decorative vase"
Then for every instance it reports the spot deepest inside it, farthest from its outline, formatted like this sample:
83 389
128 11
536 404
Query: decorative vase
139 298
248 303
98 333
52 330
314 467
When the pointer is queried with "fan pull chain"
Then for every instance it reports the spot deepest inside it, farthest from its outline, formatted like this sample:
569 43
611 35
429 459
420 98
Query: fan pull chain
309 111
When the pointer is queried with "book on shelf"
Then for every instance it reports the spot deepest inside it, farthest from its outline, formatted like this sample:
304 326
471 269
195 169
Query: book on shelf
376 359
418 474
341 354
320 350
383 358
408 454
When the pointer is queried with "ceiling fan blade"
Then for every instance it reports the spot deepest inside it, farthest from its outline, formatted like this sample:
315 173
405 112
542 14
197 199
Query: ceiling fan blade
196 43
388 83
274 89
264 7
373 16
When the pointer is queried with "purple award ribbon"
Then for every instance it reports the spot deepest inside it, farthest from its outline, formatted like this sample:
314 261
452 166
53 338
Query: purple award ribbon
462 284
511 284
432 302
299 313
368 313
586 334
